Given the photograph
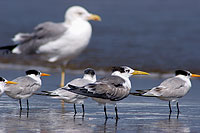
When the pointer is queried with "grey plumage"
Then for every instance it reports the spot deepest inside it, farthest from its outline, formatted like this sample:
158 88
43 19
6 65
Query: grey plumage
110 87
170 89
25 87
56 42
42 34
69 97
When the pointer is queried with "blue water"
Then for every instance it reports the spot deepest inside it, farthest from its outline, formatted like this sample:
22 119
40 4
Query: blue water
137 114
153 35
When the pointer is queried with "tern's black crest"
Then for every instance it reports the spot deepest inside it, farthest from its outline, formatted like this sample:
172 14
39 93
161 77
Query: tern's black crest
89 71
120 69
2 79
182 72
32 72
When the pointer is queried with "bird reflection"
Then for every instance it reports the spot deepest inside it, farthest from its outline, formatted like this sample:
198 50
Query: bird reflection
20 113
177 115
110 126
170 126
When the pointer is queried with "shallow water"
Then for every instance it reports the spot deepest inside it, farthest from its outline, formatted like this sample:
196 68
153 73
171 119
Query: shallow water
136 114
153 35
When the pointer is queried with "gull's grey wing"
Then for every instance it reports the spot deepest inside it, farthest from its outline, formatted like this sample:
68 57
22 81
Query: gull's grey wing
26 85
42 34
107 88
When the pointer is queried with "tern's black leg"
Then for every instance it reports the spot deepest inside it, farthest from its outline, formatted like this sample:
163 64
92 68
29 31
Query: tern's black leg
116 112
27 104
75 109
177 108
20 104
170 109
83 108
106 117
27 113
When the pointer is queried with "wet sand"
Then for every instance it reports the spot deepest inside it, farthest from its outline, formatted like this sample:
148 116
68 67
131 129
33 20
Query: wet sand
136 114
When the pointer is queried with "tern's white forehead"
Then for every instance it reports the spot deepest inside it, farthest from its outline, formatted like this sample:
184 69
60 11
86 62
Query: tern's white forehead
182 72
122 69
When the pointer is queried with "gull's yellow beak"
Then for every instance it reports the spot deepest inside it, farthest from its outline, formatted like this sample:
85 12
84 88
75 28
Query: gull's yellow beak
11 82
44 74
195 75
94 17
140 73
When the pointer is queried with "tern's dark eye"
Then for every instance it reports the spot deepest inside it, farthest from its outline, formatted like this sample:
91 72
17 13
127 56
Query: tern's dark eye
127 71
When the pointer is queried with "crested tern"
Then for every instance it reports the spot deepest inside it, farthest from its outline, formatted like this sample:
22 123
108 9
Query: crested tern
25 87
109 89
170 89
70 97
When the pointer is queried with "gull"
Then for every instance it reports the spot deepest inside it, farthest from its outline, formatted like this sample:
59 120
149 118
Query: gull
70 97
26 86
3 83
109 89
57 42
170 89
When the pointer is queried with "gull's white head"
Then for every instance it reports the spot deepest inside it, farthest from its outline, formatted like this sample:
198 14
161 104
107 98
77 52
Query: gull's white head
35 73
89 74
185 73
77 12
125 71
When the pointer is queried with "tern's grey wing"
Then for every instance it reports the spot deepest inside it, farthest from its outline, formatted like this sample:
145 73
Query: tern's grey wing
107 88
66 94
26 85
79 82
112 80
173 83
43 33
172 87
